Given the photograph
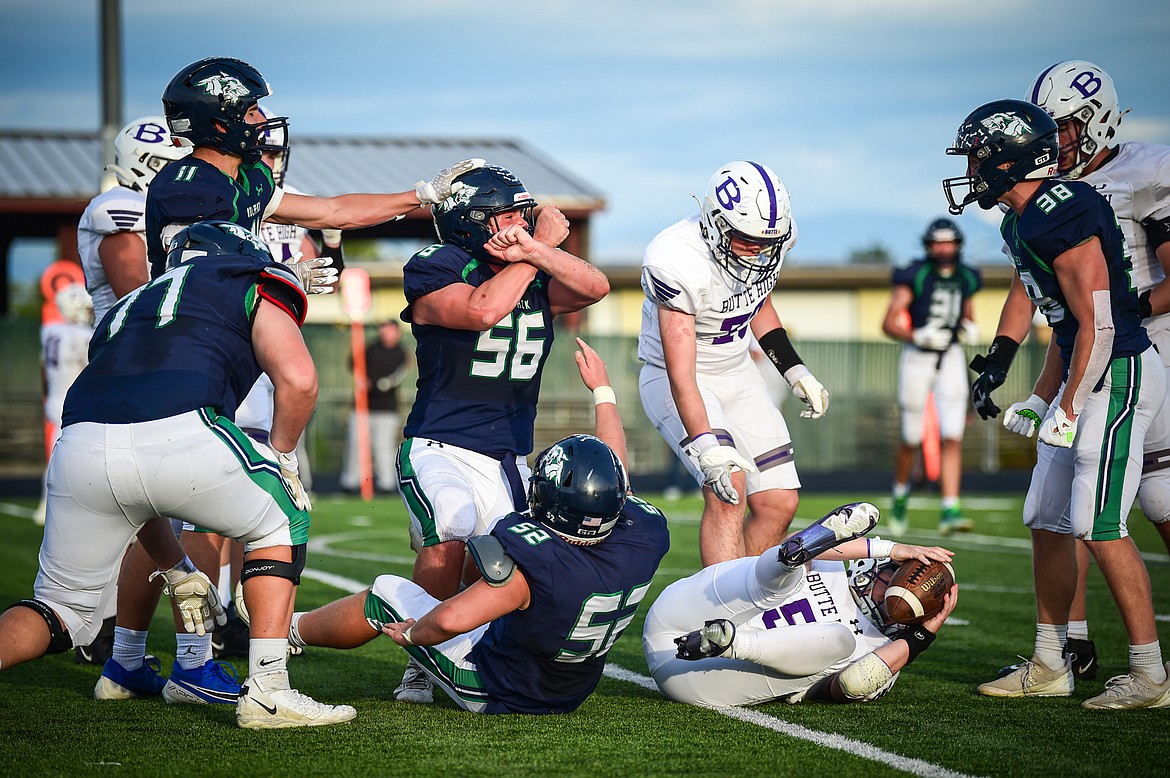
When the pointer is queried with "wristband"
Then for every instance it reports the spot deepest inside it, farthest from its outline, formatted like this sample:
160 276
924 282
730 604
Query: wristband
918 638
778 348
604 394
1144 308
879 548
184 565
406 635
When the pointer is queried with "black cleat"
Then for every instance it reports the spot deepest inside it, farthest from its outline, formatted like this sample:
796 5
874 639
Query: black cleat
1083 655
714 639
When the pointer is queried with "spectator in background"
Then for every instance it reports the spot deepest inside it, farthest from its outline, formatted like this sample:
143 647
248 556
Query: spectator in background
386 365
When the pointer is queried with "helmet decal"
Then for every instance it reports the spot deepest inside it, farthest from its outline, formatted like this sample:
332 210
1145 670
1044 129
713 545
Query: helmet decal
223 86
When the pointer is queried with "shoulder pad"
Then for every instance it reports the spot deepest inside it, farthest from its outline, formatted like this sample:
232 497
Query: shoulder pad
493 562
279 286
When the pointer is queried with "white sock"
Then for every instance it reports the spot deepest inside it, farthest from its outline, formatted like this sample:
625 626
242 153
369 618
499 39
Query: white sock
1148 658
192 651
294 633
129 647
267 655
901 490
1078 630
1050 639
949 503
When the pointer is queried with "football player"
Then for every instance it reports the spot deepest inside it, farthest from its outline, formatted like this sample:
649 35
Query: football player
792 624
152 414
64 353
213 106
112 245
1135 178
525 638
1101 385
930 311
708 281
481 306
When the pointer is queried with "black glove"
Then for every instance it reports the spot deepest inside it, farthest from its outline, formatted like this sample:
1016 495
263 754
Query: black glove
993 370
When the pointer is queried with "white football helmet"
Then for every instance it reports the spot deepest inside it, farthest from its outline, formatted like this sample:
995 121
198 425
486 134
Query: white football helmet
1079 90
75 304
863 574
142 148
746 200
274 141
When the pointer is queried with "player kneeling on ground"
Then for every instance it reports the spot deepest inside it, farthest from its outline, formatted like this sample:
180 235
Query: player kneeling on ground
148 431
793 624
560 583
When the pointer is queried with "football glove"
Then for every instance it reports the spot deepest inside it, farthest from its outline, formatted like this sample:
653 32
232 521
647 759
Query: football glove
992 368
317 276
1058 429
968 332
1025 418
195 597
718 463
439 188
290 469
933 338
808 390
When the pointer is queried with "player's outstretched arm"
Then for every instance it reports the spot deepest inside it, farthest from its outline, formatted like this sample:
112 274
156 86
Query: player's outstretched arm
473 607
596 378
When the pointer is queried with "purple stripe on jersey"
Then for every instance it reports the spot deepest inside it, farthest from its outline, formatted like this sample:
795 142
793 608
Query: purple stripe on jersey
1035 99
663 291
776 456
124 220
771 192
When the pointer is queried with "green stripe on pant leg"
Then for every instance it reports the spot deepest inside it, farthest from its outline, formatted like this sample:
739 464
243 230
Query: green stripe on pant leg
1125 386
262 471
412 492
466 683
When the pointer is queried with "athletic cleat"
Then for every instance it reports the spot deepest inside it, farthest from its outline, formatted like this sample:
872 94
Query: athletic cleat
1135 690
214 682
898 521
952 520
1031 679
100 650
267 702
118 683
416 686
1083 655
844 523
714 639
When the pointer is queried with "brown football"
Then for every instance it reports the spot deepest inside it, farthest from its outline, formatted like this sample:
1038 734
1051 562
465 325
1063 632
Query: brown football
917 590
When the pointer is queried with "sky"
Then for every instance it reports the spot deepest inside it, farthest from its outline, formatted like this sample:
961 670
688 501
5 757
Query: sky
852 103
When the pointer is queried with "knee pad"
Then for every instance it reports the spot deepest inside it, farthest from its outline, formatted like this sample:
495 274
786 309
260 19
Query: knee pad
912 427
455 514
59 640
288 570
1154 498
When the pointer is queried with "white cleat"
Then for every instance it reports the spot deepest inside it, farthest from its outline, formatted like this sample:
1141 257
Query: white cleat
416 687
267 702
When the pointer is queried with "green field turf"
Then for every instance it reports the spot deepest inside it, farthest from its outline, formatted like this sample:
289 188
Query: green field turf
932 723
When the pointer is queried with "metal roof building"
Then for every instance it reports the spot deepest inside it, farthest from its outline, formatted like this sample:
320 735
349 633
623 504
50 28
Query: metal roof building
47 178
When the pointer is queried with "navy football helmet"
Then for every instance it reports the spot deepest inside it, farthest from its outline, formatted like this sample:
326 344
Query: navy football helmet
578 489
942 231
206 102
465 218
1004 132
215 238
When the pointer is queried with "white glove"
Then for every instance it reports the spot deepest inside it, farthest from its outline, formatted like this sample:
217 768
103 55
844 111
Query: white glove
331 238
808 390
1025 418
718 463
194 595
933 338
241 608
317 276
439 188
290 468
968 332
1058 430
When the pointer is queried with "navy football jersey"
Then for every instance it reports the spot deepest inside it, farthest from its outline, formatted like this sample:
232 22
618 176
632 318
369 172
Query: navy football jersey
938 299
477 390
177 344
549 657
1060 216
190 190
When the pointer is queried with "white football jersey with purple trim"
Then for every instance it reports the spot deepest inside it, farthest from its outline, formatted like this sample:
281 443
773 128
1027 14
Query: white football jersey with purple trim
117 210
679 272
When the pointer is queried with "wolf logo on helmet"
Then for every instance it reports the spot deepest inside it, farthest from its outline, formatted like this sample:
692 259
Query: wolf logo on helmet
466 218
578 489
214 238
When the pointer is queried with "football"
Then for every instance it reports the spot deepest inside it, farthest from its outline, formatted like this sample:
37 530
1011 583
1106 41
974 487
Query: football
917 590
